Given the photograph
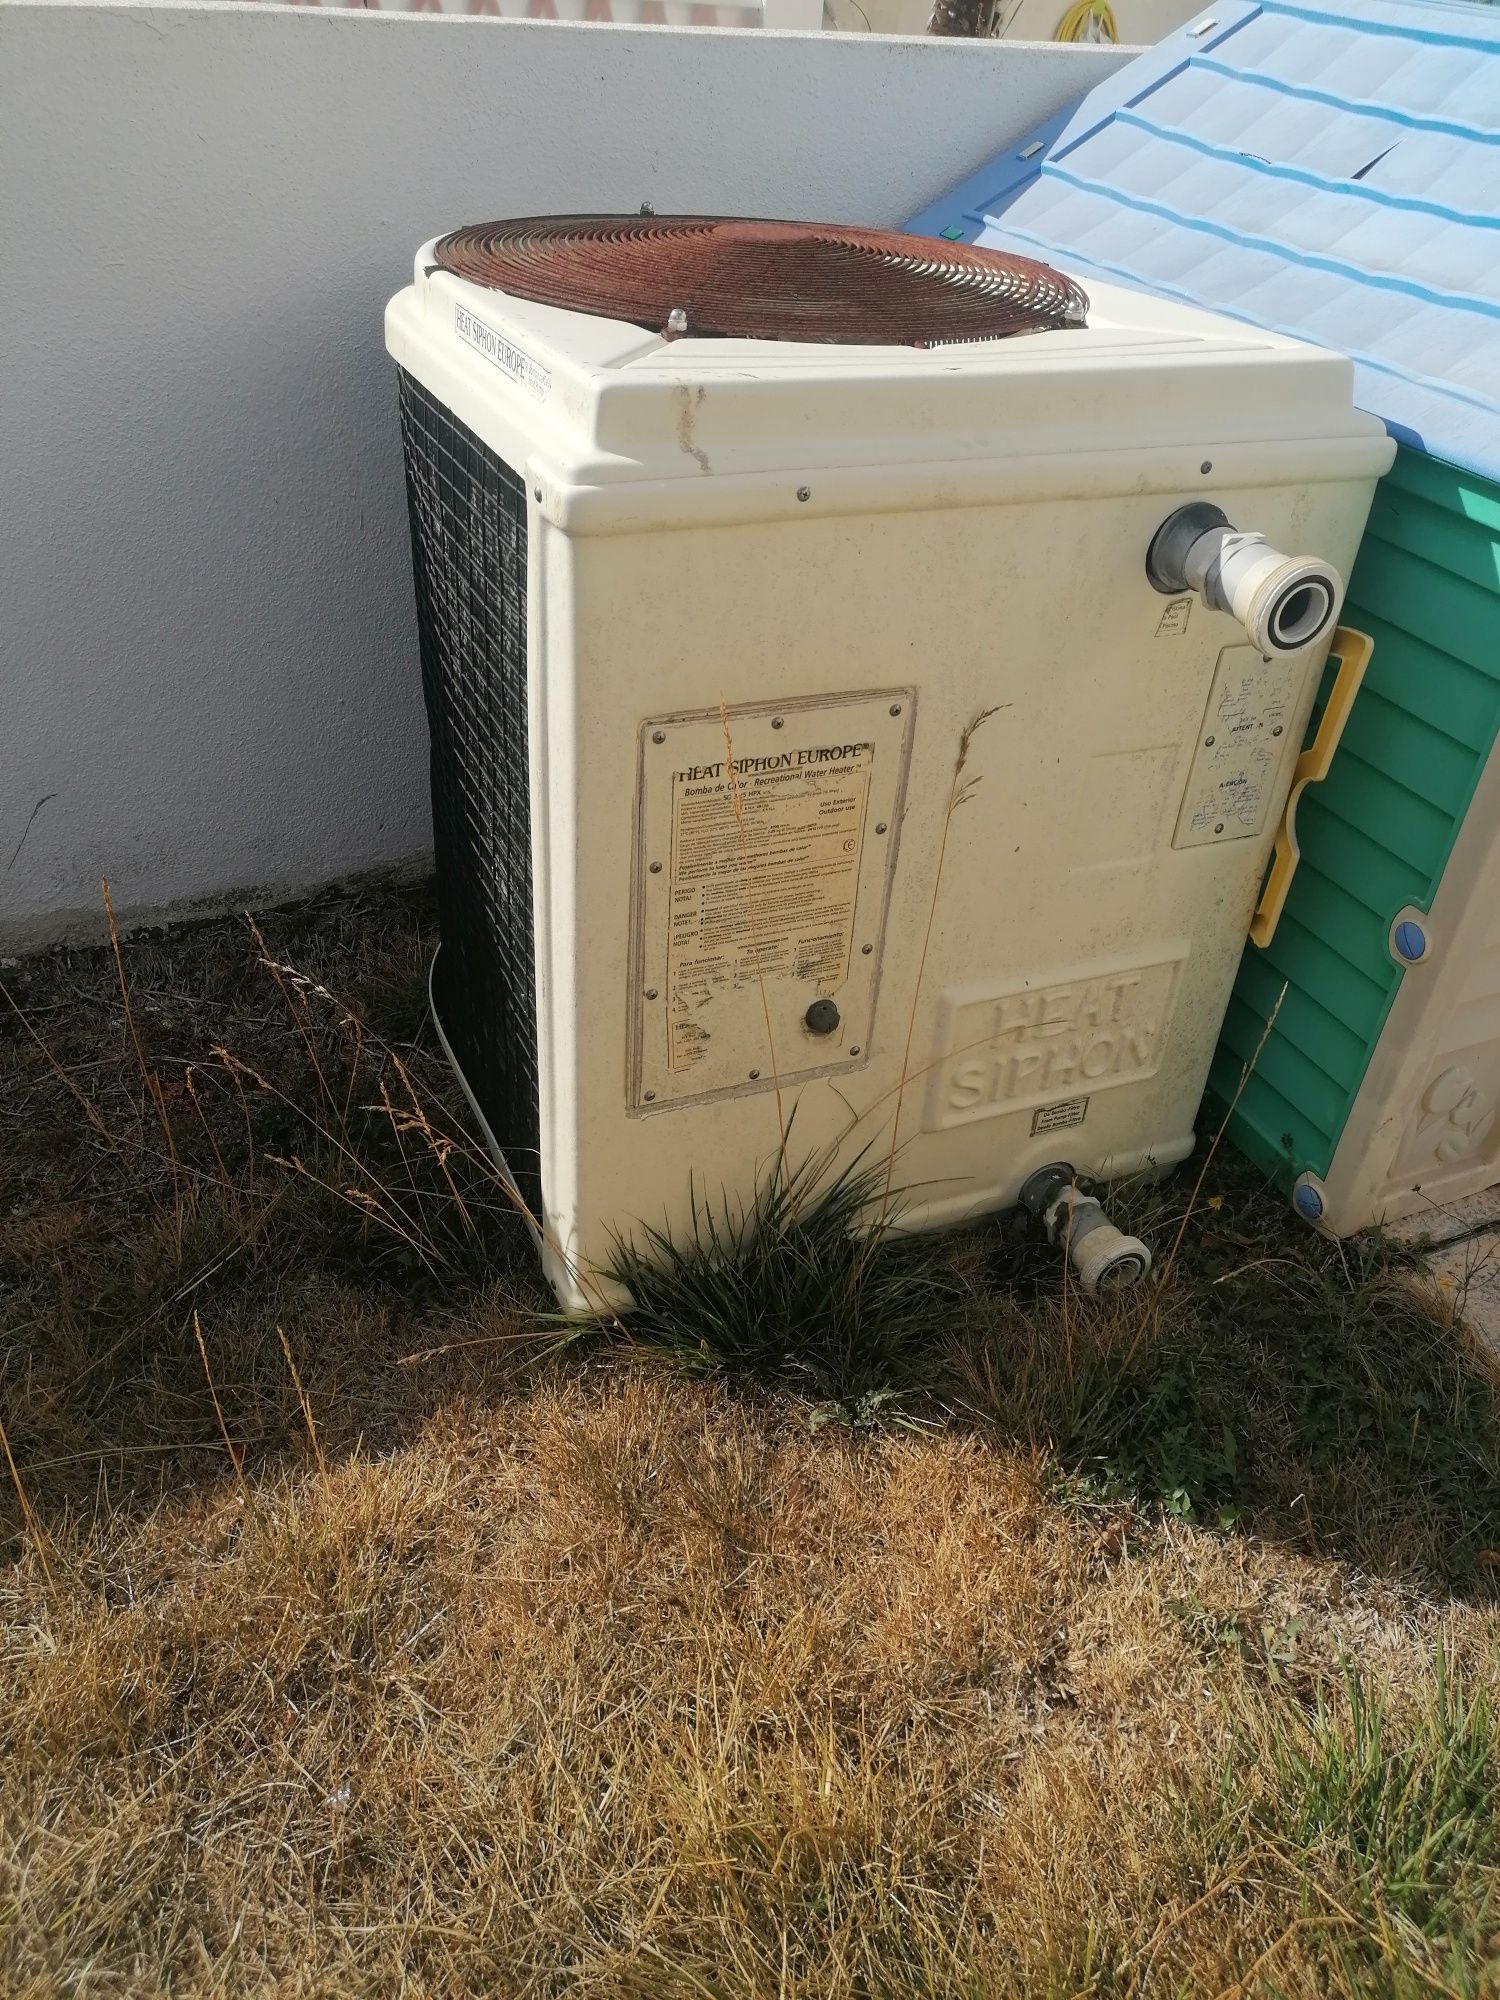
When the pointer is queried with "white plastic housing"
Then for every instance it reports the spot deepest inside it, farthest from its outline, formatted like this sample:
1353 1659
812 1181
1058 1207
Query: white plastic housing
846 554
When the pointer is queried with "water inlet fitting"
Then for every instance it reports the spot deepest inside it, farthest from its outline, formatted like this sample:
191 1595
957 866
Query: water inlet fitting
1284 602
1104 1258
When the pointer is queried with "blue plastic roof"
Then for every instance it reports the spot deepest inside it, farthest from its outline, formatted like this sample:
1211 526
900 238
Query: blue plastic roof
1319 172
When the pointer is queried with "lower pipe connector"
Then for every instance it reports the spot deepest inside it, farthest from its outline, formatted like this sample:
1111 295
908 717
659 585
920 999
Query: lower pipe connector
1104 1258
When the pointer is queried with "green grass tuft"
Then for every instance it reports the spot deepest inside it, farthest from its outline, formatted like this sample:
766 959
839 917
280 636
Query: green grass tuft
1387 1817
800 1288
1404 1814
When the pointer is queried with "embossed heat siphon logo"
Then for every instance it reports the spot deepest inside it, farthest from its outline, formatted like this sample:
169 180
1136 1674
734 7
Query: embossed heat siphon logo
1010 1050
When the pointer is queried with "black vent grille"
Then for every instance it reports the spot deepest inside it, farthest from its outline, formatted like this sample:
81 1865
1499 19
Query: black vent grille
468 534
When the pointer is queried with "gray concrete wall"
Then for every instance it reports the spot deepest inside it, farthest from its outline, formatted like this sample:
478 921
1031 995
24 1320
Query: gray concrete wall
209 683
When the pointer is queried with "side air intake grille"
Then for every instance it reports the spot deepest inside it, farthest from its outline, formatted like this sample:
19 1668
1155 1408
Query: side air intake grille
715 274
468 535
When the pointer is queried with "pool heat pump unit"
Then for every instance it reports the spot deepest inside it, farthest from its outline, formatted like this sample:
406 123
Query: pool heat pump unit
725 533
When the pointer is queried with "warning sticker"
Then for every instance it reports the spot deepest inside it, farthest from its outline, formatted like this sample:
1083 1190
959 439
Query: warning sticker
764 877
1060 1117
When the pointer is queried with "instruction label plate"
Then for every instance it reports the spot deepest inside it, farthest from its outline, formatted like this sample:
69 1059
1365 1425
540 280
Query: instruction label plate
763 880
1241 747
762 873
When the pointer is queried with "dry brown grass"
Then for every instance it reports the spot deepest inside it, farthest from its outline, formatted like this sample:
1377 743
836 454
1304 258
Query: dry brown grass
513 1671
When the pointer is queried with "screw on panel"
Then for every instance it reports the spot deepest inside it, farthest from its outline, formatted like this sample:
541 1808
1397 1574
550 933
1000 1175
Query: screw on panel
778 722
880 826
854 1048
754 1074
1207 466
1208 743
865 950
1220 827
650 1096
650 992
895 708
656 868
536 492
804 493
658 736
1277 730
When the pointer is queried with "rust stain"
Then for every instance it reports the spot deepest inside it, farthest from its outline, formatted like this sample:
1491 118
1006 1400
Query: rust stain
688 401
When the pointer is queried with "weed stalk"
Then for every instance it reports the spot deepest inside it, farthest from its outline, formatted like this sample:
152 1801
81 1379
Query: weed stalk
23 1501
742 831
150 1080
307 1415
1239 1091
959 793
229 1445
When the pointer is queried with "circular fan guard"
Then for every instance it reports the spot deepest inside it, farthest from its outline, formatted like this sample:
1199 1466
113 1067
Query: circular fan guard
711 274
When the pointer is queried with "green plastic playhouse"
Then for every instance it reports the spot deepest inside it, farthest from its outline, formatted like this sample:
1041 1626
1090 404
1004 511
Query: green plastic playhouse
1336 175
1373 1092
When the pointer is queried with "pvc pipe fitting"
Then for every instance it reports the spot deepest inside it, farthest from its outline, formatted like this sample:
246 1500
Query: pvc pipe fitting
1103 1257
1283 602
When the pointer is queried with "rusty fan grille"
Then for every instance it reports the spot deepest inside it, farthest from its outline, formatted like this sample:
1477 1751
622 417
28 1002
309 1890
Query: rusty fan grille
712 274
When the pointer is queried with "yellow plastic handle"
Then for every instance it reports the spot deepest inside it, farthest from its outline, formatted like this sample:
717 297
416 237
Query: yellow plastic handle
1353 650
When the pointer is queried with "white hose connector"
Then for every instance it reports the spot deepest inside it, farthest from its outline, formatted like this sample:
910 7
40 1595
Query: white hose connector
1283 602
1104 1258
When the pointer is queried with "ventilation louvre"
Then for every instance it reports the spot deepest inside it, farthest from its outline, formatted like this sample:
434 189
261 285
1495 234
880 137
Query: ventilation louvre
724 275
468 533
